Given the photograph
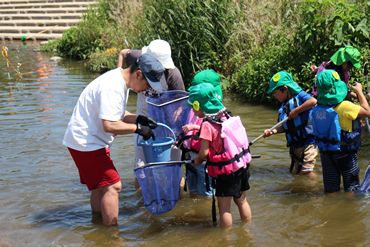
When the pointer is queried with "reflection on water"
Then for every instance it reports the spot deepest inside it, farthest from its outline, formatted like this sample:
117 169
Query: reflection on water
42 202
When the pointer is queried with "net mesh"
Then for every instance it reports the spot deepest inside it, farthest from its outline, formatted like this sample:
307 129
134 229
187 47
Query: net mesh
160 185
175 113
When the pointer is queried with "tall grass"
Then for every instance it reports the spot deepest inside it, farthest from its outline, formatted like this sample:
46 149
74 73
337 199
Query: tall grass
245 41
197 30
300 34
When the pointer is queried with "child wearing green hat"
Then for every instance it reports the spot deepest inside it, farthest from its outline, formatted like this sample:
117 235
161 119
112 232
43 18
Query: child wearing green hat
224 144
296 106
196 176
342 62
338 131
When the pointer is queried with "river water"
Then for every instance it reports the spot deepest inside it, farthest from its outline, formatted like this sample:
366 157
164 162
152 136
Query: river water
42 202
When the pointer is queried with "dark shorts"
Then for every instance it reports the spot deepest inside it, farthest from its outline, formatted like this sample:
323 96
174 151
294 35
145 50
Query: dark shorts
96 168
337 165
233 184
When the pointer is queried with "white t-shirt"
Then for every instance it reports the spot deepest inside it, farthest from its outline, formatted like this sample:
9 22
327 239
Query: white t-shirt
104 98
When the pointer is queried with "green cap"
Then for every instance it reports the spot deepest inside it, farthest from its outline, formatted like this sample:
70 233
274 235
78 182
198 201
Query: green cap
205 94
347 53
332 90
283 78
211 77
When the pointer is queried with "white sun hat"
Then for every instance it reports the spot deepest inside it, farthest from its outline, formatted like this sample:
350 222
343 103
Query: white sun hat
161 50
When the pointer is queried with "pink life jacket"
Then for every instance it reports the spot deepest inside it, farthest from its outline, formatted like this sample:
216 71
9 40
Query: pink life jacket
236 153
192 141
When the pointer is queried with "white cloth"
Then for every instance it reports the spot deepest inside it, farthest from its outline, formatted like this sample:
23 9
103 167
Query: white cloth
104 98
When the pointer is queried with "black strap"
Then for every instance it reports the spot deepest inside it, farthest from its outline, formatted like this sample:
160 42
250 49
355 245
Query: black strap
334 142
214 217
217 119
224 163
166 74
195 137
208 188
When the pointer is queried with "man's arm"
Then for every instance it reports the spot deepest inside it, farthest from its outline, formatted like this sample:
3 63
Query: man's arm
129 117
118 127
121 58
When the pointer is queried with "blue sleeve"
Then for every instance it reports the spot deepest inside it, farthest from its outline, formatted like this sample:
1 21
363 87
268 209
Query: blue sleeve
303 96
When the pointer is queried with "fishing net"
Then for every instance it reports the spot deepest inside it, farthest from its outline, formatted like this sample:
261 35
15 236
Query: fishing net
160 185
365 186
171 109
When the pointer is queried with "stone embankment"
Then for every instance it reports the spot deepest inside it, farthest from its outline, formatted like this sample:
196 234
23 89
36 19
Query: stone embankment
39 19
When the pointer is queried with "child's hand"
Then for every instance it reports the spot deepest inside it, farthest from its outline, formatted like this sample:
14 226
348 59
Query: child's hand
314 69
267 133
190 127
197 161
368 95
357 87
293 114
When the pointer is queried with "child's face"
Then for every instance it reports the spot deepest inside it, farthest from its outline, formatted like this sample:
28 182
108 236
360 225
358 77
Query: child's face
347 66
198 113
281 96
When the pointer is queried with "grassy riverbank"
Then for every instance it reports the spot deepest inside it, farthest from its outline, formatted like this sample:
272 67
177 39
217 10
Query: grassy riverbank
245 41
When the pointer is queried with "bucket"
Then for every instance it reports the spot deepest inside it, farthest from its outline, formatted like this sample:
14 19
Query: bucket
170 108
158 150
160 185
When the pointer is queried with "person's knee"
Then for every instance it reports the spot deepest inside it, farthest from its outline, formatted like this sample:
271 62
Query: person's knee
117 187
114 188
242 199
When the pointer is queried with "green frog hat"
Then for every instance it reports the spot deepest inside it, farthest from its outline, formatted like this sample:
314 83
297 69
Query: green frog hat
331 89
283 78
208 76
203 95
348 53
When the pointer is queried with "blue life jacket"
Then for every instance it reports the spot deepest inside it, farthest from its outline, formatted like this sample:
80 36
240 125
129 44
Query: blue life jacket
329 134
297 131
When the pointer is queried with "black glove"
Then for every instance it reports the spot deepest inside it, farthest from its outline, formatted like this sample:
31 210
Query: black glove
145 131
146 121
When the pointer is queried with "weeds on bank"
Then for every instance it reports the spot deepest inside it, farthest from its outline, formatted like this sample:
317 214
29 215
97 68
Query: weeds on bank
247 41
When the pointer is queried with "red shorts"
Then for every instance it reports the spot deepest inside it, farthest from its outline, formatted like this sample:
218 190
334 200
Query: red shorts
96 168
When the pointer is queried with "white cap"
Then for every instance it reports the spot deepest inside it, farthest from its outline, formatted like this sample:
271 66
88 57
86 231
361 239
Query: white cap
161 50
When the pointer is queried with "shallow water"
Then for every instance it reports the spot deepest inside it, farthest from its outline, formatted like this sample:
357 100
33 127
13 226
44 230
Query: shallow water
42 202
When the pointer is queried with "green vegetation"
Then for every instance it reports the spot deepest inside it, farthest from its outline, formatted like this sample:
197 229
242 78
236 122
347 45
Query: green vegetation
245 41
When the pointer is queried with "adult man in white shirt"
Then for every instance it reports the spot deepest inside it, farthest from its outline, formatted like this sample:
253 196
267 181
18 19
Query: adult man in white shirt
172 80
100 115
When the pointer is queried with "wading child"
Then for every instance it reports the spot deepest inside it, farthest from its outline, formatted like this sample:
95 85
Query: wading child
196 176
342 62
296 106
338 131
224 144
